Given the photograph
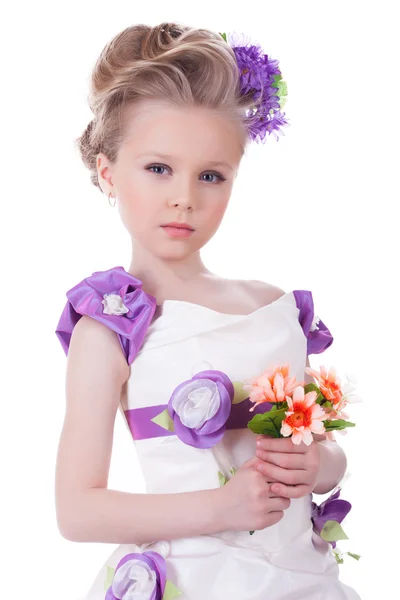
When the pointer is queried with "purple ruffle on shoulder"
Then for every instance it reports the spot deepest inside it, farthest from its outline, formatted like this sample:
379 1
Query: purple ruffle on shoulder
86 298
318 338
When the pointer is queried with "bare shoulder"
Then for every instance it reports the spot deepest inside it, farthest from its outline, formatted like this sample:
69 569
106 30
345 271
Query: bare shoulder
262 292
92 341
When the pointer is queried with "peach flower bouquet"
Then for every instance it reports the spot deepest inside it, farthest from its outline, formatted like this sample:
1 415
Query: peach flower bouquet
297 409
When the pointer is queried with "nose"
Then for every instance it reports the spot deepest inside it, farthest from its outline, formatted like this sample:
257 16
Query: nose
183 195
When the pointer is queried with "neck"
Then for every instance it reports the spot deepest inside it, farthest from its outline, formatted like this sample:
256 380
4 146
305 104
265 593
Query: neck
160 276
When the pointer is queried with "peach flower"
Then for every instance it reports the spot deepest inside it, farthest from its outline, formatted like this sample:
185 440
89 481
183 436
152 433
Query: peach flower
329 383
333 390
273 385
304 417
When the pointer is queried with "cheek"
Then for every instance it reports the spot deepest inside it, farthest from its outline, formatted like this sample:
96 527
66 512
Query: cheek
216 213
136 212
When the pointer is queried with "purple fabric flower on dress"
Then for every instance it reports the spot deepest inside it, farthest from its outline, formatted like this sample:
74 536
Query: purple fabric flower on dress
139 577
200 407
114 298
332 509
319 338
261 75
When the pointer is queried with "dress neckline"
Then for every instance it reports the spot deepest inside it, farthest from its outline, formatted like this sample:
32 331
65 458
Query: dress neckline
194 305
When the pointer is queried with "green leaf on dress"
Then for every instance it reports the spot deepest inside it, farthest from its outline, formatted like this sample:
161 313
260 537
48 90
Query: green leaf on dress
164 420
222 479
109 577
332 532
239 394
356 556
339 560
170 591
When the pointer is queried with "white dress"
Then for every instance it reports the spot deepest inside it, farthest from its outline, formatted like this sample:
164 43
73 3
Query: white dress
276 563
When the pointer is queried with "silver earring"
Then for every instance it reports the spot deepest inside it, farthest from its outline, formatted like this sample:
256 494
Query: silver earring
109 200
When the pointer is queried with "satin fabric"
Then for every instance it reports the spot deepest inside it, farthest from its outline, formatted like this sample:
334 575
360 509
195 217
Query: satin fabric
279 562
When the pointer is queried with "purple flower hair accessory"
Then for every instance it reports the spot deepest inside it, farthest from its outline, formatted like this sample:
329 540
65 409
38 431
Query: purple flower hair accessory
139 576
261 75
332 509
200 407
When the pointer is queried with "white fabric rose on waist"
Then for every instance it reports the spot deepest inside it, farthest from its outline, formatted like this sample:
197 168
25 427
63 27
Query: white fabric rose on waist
200 407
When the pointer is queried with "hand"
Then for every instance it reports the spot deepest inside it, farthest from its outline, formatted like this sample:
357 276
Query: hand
294 469
248 502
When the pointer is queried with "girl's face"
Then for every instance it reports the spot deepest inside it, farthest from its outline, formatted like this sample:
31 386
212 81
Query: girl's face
175 165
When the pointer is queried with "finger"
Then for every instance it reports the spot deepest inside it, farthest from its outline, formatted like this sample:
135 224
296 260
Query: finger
278 503
286 460
251 462
289 491
275 517
280 445
290 477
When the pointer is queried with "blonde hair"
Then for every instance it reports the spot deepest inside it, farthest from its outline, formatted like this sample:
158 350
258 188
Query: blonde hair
187 66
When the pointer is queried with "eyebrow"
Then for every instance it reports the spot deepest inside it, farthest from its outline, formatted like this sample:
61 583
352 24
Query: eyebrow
168 157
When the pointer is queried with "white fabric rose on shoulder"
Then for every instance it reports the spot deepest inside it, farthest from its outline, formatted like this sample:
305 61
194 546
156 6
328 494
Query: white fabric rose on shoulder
113 305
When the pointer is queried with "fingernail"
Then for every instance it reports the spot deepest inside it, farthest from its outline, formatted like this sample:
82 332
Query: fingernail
258 442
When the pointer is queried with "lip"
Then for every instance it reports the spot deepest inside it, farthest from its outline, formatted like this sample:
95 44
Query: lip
177 232
178 225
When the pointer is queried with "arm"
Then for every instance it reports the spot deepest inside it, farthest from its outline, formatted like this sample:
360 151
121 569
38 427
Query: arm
332 458
332 466
86 510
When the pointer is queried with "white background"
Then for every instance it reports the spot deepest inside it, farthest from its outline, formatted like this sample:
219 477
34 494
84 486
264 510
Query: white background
315 211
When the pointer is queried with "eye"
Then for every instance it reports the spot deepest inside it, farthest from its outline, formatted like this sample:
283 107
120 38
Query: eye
218 175
155 167
212 173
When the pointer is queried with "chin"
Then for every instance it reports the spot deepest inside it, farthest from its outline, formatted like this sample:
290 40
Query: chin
175 250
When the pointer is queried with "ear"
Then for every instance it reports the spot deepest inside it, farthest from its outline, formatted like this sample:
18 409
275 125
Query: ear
104 173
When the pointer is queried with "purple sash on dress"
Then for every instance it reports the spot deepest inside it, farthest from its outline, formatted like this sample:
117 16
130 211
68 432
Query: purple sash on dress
142 427
88 297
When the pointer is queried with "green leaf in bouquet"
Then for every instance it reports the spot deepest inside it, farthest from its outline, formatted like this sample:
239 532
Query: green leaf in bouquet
223 35
337 424
311 387
261 426
268 423
327 404
332 532
232 470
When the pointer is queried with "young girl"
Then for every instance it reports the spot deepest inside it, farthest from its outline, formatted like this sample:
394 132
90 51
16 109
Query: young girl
168 342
